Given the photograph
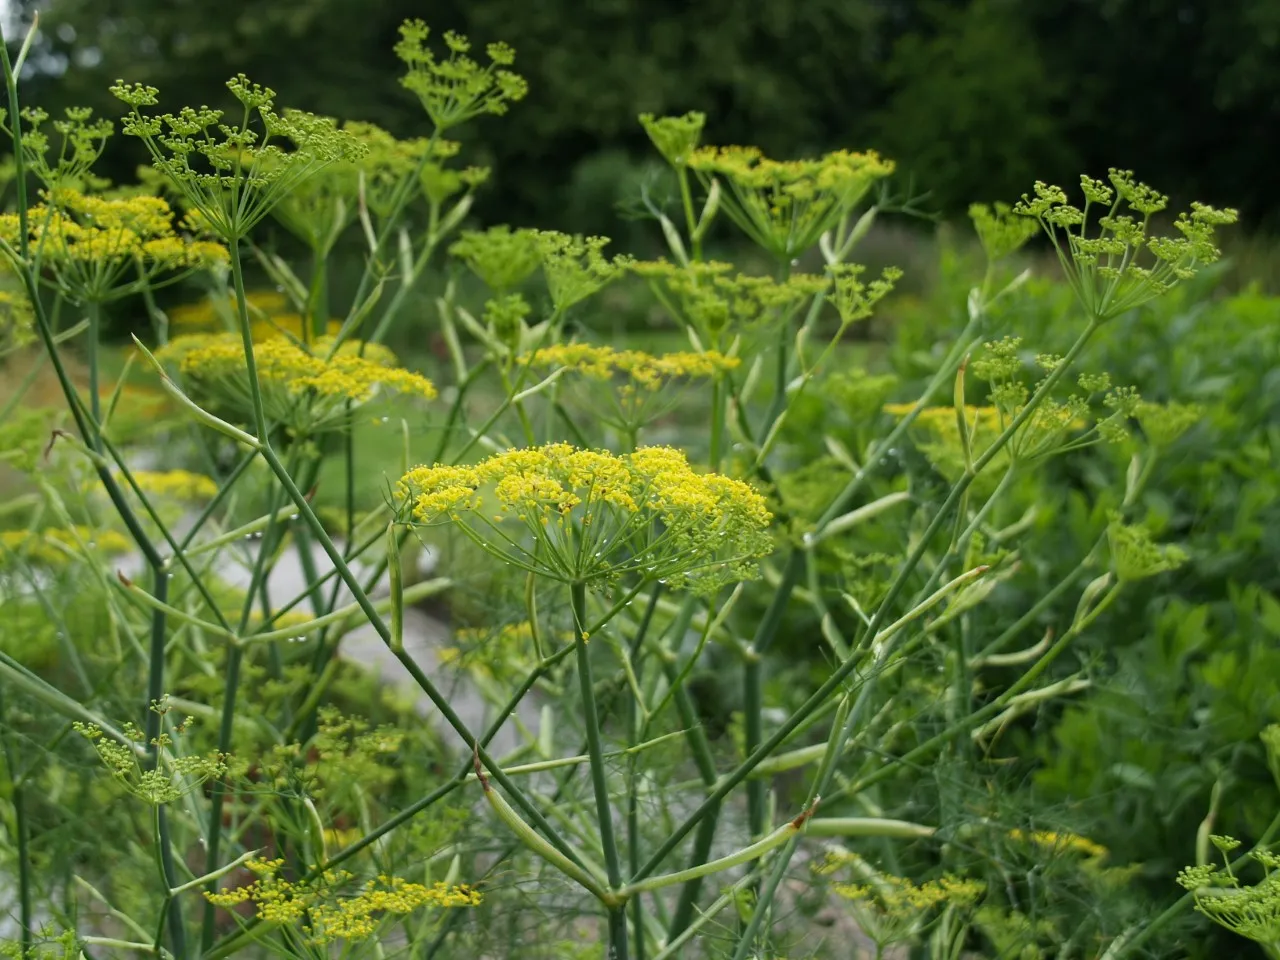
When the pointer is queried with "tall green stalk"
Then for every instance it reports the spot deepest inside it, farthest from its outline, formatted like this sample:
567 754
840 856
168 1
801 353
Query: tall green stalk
599 774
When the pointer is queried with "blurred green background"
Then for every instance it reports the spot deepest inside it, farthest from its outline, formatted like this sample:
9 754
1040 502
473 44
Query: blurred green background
976 100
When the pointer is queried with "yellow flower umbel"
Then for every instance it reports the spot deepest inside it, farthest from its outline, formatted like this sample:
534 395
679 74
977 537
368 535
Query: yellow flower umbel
321 207
936 433
891 909
590 517
1057 842
176 484
786 206
631 388
178 773
719 306
17 321
91 244
576 267
271 314
1114 264
456 89
59 546
1249 911
317 913
307 392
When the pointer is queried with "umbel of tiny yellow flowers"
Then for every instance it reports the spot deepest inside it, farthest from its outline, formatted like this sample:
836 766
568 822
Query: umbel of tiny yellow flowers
575 267
99 249
1118 265
82 142
17 321
892 909
1136 556
503 258
635 387
317 911
1251 911
590 517
179 775
454 90
1000 230
305 390
322 206
785 206
675 137
60 546
718 305
234 175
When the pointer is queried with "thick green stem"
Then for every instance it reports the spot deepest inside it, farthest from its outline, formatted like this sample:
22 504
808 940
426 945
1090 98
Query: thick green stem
95 389
169 872
235 653
246 338
599 773
18 797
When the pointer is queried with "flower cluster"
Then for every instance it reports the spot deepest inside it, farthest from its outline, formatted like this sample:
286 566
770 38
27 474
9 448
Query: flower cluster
57 546
576 267
82 141
786 206
936 432
456 89
855 300
322 206
594 517
717 304
1250 911
17 321
1060 842
642 393
234 175
176 776
176 484
1164 423
91 242
503 258
648 371
1000 230
323 915
306 390
1049 427
1135 556
892 909
675 137
271 314
1105 265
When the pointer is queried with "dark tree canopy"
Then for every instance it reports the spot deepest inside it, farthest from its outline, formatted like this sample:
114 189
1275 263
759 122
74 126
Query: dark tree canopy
974 99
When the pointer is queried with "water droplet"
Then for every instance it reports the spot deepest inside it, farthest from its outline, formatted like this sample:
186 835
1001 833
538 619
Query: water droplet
807 539
385 420
662 579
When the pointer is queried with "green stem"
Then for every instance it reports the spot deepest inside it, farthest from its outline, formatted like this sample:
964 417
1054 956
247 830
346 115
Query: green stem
246 338
169 873
599 782
95 390
18 796
318 297
717 424
235 654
